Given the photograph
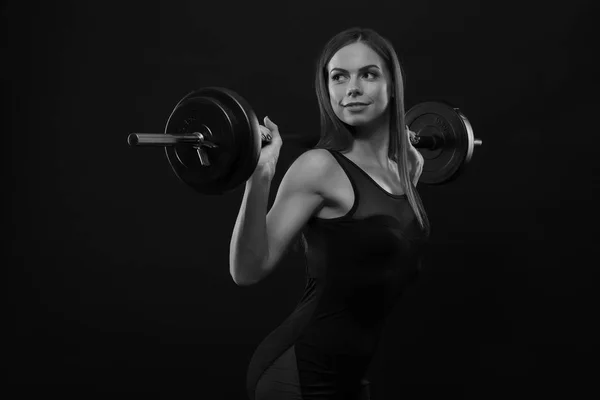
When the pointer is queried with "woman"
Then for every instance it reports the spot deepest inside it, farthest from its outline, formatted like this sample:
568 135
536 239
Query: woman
353 200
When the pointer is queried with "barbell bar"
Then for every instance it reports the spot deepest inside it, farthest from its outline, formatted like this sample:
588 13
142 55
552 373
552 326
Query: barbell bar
198 139
212 140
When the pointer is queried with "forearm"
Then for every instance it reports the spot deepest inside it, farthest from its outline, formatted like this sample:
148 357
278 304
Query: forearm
416 175
416 162
249 245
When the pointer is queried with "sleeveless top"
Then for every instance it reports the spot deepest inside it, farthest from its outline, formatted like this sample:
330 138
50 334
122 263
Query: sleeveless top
357 267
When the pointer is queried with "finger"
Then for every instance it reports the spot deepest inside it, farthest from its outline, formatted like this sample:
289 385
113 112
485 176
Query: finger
265 132
270 124
412 136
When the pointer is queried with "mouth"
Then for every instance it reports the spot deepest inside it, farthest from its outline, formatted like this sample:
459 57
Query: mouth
355 104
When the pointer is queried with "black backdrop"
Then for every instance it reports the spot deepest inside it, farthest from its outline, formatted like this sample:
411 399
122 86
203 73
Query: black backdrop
118 274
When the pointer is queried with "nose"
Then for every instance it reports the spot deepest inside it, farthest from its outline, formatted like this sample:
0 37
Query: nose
353 88
352 92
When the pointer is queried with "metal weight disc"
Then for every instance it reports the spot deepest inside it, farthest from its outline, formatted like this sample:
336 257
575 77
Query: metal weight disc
449 124
226 121
247 135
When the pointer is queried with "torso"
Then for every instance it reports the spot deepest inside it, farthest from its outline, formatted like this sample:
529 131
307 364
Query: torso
338 191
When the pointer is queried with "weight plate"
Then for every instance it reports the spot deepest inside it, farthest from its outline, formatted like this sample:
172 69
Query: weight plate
247 136
452 127
226 120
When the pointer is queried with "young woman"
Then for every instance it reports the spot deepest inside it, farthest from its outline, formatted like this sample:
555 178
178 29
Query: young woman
352 200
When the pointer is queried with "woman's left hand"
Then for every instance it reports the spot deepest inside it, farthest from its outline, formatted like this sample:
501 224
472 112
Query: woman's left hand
415 159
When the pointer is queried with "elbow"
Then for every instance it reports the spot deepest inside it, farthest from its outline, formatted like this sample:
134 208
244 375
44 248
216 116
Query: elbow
237 278
242 282
248 273
246 278
249 279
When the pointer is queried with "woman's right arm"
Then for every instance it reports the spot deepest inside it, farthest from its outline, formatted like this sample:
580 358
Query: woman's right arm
260 240
248 246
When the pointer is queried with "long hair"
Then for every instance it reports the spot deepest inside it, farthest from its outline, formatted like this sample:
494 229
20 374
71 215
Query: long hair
337 135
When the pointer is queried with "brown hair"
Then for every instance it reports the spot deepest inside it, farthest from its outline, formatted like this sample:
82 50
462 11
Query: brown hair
338 136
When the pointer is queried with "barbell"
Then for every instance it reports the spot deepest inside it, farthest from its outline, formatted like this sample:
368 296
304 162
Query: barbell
212 140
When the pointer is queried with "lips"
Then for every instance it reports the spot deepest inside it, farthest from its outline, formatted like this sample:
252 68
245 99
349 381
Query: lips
356 104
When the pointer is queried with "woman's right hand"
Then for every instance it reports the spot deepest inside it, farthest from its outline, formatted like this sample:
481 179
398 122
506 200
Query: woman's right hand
269 154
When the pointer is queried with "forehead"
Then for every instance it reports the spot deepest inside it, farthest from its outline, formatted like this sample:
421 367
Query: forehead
354 56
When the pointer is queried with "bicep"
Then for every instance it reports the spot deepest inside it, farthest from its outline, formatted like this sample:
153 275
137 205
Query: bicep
285 221
298 198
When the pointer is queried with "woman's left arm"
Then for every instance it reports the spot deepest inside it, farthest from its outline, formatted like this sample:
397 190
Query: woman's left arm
415 159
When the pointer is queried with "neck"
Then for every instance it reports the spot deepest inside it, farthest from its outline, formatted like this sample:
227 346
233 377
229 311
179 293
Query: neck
371 142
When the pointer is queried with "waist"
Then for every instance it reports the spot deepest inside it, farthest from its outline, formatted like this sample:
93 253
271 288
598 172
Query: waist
343 340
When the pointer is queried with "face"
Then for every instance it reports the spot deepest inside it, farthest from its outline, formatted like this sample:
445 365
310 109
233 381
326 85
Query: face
356 74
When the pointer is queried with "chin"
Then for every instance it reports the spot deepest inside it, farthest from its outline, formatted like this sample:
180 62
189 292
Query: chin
359 121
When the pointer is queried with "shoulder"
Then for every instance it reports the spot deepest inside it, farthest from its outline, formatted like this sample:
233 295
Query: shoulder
313 167
315 159
317 156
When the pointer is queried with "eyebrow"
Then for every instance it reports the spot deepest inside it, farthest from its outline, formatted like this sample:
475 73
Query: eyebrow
361 69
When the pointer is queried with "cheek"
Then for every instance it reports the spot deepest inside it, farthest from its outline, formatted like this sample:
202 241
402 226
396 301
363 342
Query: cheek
383 96
335 97
381 92
334 93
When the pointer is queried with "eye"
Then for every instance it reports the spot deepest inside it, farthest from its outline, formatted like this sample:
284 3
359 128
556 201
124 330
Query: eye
336 77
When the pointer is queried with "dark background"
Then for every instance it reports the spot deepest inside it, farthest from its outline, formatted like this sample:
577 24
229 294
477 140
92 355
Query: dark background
118 276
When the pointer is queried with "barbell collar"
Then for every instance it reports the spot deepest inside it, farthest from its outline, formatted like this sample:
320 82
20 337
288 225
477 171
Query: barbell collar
431 142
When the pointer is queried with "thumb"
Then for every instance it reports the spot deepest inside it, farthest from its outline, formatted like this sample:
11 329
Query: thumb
270 124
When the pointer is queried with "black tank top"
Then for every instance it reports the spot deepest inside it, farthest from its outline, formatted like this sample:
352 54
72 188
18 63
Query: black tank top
357 267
